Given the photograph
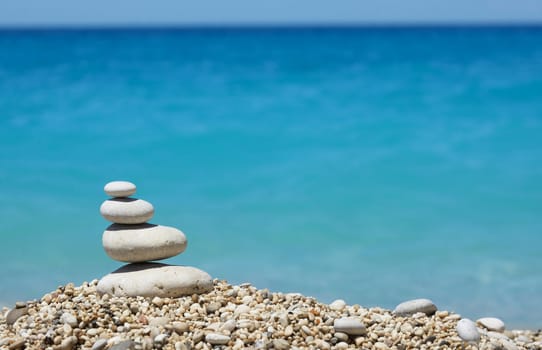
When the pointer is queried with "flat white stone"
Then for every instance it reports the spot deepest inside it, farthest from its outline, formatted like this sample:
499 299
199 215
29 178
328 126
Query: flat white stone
411 307
142 242
466 329
127 210
491 324
155 279
350 326
120 189
217 339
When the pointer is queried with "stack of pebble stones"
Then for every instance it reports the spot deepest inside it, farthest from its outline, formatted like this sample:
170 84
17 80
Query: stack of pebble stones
133 240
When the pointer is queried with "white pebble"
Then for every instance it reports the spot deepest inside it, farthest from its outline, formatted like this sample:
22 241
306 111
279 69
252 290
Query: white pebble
100 344
491 324
120 189
217 339
412 307
229 325
337 305
349 326
160 338
466 329
68 318
242 309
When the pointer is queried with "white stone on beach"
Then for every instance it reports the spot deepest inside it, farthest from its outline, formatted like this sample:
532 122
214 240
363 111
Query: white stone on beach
411 307
337 305
217 339
142 242
466 329
69 318
155 279
491 324
100 344
350 326
127 210
120 189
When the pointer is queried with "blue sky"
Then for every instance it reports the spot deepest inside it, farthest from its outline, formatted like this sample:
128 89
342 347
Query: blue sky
151 12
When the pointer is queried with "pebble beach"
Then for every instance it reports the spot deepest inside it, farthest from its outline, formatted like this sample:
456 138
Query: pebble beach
239 317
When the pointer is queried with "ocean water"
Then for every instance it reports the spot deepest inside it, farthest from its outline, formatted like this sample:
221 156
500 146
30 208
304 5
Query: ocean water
370 164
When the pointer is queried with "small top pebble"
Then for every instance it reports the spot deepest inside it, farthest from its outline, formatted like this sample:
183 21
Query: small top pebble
120 189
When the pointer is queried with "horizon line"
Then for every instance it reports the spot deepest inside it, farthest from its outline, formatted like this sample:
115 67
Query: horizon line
272 25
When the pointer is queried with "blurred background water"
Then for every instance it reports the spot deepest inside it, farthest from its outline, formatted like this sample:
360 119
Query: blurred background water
370 164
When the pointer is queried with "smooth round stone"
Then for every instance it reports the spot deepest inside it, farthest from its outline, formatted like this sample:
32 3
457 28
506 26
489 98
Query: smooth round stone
142 242
411 307
127 210
155 280
350 326
466 329
120 189
491 324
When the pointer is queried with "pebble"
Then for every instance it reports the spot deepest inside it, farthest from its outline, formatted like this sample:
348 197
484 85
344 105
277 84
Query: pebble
289 330
349 326
229 325
157 301
17 344
323 345
341 346
100 344
281 344
158 321
124 345
67 344
466 329
180 327
212 307
306 330
380 346
491 324
497 335
337 305
127 210
160 339
155 279
242 309
69 319
120 189
217 339
15 313
341 336
412 307
142 242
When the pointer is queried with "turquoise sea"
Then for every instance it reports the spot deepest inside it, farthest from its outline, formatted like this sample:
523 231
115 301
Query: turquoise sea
370 164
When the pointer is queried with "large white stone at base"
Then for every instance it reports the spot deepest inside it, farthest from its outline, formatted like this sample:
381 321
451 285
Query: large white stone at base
155 279
143 242
127 210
